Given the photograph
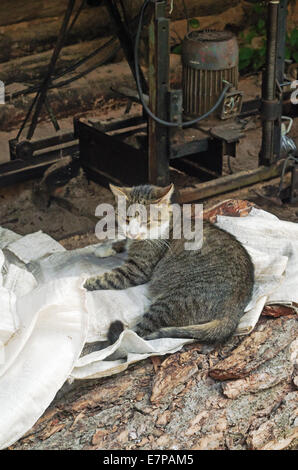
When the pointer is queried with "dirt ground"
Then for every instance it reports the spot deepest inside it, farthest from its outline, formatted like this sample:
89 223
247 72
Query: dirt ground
20 213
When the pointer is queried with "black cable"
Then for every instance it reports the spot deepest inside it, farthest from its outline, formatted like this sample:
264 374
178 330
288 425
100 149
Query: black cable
66 82
76 16
27 116
85 72
186 15
139 87
46 82
290 158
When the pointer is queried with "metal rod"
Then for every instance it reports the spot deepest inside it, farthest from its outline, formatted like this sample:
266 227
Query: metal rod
158 135
280 69
44 87
269 82
124 37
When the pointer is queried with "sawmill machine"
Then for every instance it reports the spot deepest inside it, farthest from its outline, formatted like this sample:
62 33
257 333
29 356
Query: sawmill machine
191 127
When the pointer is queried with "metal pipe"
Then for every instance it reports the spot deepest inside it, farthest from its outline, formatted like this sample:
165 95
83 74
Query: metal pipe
269 83
41 95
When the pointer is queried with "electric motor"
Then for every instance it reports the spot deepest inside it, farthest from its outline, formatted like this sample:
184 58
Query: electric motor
208 58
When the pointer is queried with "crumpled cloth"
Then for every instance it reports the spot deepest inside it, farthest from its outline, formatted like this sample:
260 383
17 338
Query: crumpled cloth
46 316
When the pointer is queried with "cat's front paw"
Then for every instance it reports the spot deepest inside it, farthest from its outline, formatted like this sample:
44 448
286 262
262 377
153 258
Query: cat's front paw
92 284
105 250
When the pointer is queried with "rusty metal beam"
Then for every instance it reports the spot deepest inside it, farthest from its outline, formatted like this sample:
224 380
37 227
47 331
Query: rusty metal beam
158 136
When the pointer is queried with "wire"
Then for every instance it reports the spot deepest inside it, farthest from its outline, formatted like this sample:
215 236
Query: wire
284 167
85 72
186 15
76 16
140 91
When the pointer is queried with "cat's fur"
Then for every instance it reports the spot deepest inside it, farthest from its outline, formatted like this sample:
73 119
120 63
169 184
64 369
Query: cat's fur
197 294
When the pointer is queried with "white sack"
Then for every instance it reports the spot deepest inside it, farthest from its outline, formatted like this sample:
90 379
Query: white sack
47 325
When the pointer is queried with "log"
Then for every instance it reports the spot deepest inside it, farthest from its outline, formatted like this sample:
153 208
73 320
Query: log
33 68
19 11
33 27
28 37
77 97
177 403
87 93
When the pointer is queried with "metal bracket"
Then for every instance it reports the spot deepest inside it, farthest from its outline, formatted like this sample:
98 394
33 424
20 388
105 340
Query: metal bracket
271 110
175 106
294 184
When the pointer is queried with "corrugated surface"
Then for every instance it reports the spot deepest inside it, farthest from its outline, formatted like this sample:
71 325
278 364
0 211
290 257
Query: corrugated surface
201 88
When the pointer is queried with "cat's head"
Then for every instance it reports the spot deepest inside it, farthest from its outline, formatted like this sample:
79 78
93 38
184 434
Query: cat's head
147 210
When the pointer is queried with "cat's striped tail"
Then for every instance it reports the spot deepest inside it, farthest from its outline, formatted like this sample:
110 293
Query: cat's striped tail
211 332
214 331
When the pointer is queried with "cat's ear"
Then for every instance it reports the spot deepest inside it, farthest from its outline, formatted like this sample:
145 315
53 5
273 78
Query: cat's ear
119 191
165 195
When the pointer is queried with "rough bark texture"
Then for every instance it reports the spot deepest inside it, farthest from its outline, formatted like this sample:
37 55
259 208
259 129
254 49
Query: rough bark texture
181 402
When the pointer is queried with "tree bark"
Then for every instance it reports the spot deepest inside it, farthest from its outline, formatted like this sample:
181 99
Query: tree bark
182 402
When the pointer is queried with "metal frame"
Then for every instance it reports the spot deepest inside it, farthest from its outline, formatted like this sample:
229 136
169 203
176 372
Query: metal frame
203 156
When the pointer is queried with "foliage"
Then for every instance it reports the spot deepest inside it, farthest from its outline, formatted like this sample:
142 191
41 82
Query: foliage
253 58
192 23
292 45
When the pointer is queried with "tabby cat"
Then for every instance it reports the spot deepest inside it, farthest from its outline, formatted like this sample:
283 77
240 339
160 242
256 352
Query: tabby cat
199 293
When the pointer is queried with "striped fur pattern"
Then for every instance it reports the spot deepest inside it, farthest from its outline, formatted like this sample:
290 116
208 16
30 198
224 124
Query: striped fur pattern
198 294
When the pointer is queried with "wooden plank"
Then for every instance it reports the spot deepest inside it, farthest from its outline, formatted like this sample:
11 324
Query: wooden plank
230 182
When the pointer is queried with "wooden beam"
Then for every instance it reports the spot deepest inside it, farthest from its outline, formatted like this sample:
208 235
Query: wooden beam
230 182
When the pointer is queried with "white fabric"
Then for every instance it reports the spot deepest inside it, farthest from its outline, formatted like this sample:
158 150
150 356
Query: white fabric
46 316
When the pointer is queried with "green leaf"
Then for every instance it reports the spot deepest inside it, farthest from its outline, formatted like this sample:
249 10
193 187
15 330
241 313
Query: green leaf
245 53
287 53
258 59
243 64
295 56
177 49
258 9
261 25
294 38
194 23
252 34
